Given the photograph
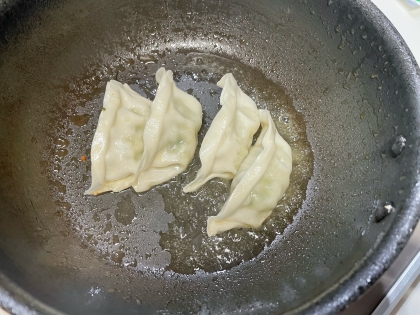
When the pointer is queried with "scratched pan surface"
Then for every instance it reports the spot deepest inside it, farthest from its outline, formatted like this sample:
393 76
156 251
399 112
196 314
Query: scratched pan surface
343 91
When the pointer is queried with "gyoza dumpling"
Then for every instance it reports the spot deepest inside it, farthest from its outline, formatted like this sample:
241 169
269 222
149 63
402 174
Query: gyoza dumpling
170 134
117 145
229 137
260 183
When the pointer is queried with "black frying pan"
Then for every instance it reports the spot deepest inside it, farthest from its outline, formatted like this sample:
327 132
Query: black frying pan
342 87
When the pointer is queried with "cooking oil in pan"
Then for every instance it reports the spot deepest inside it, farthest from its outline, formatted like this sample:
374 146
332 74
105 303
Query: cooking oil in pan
165 228
186 239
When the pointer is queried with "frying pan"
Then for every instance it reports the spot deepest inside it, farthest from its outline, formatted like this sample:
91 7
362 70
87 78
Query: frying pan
342 87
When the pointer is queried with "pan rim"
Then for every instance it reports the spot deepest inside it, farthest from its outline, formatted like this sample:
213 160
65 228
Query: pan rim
15 299
355 283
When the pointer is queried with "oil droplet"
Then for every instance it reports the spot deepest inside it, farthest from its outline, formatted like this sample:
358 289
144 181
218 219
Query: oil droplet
108 227
62 204
125 212
80 120
61 152
60 187
96 217
148 59
117 257
61 142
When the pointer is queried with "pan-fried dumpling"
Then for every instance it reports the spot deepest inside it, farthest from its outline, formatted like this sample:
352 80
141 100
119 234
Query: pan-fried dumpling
260 183
117 145
170 134
229 137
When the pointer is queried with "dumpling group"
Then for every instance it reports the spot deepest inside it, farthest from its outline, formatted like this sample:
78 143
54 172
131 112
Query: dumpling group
260 173
139 143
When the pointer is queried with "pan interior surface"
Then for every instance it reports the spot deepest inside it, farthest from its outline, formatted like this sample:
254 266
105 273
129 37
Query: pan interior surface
339 91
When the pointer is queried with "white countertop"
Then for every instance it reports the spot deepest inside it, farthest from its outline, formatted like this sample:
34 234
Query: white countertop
406 20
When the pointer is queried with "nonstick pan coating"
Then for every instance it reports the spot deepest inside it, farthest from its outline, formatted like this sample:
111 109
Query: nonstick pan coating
344 91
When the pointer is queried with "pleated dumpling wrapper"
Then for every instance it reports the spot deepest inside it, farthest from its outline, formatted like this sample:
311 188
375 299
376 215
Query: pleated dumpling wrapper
260 183
229 137
117 145
170 135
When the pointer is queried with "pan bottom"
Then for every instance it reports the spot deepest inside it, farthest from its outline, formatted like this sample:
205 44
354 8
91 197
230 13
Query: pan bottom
165 228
